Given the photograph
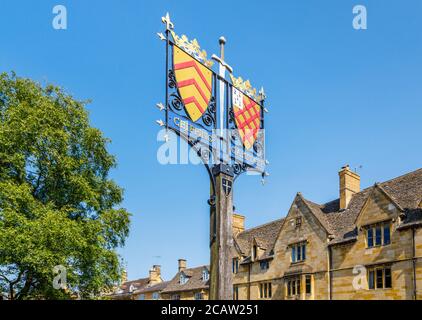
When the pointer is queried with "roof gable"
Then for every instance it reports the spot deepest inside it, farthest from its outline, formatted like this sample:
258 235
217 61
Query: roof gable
264 236
379 206
195 282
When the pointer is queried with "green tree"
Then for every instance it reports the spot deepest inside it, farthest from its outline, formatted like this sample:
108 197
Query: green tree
58 205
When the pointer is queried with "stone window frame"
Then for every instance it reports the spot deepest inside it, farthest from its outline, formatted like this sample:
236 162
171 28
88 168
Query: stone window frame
294 249
265 290
264 265
235 292
374 270
373 227
308 277
293 286
235 265
199 295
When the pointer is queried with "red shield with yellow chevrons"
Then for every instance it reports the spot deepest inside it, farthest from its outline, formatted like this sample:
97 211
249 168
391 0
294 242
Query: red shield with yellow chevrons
194 81
247 115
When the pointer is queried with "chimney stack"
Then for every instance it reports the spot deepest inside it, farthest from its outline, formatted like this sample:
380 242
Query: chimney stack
238 224
349 185
155 274
123 278
182 265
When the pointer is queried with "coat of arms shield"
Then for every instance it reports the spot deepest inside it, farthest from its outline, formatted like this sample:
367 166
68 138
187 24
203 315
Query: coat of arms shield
247 115
194 82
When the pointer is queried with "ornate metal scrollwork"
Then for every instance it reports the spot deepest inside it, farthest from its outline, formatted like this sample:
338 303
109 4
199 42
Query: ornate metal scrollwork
172 80
209 117
176 103
239 168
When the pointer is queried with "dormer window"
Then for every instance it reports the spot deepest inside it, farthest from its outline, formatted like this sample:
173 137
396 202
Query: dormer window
264 265
254 252
183 279
205 275
378 235
132 288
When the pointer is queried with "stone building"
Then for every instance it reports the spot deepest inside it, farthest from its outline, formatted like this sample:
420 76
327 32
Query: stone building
142 289
188 283
365 245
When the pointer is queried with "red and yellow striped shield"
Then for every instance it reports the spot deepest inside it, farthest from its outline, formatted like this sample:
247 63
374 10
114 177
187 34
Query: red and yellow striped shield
247 114
194 83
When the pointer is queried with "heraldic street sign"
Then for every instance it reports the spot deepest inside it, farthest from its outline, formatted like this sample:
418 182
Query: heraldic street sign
222 118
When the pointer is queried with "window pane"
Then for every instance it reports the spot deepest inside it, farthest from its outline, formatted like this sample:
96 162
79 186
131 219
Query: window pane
387 274
298 253
289 289
371 283
304 252
298 286
270 290
386 234
379 279
265 290
378 236
308 285
293 287
293 254
370 238
261 294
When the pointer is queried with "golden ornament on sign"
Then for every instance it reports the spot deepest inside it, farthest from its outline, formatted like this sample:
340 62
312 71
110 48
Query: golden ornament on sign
245 87
192 48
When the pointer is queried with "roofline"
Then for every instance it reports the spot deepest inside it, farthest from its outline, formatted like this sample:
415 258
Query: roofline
380 183
310 209
186 289
260 226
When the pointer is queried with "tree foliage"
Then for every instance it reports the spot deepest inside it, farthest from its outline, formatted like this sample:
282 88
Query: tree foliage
58 205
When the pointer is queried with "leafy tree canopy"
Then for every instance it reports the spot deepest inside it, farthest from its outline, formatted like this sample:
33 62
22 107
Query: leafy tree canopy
58 206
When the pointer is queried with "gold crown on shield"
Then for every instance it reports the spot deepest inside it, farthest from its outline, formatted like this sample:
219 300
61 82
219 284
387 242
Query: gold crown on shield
192 48
245 87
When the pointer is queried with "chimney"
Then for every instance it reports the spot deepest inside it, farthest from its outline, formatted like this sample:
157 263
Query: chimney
238 224
155 274
123 278
182 264
349 185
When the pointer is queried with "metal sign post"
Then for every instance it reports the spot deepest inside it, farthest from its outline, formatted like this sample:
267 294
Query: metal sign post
224 127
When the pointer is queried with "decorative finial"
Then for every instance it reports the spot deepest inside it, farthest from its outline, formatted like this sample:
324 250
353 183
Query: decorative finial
160 106
222 42
167 21
262 94
161 36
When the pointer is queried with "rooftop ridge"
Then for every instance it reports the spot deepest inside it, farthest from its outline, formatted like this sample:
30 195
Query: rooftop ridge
260 226
368 188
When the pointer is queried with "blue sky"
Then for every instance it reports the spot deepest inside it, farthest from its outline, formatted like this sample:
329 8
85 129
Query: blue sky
336 96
